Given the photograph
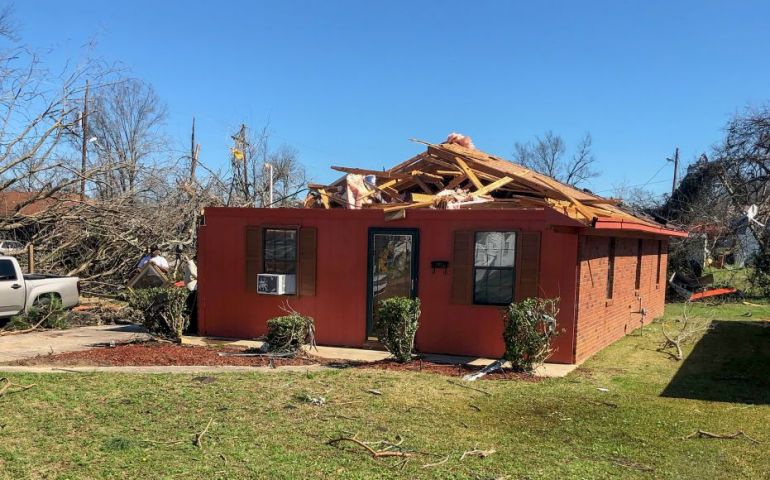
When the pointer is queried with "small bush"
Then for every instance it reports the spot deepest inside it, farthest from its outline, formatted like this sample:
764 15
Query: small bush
163 310
529 326
397 322
50 313
289 333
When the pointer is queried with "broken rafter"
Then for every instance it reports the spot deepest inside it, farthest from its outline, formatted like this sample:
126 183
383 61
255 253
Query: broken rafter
468 172
376 173
492 186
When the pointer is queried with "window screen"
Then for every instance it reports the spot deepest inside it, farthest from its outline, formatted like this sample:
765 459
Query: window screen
494 256
280 251
7 272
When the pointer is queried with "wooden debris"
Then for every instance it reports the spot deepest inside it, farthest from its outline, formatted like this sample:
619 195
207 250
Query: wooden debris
6 389
731 436
424 181
388 451
198 441
477 453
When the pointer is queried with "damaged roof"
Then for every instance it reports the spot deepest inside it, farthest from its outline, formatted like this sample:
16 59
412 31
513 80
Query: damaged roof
454 176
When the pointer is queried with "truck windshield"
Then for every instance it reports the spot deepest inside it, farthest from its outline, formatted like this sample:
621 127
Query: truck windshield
7 272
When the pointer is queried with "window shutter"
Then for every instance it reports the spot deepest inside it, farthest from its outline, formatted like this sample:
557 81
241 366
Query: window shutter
527 265
253 256
307 261
462 268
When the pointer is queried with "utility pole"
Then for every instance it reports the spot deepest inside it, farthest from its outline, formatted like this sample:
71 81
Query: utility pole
242 142
676 169
84 152
194 150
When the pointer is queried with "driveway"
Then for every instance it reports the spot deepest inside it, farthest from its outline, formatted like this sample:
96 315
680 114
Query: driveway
29 345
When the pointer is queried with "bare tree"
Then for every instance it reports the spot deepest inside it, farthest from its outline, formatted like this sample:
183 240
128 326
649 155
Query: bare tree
250 175
127 127
548 155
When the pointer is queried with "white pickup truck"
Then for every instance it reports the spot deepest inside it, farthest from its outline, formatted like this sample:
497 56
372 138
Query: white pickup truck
19 292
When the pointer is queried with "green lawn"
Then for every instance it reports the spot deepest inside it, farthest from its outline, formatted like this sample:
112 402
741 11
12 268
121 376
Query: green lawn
142 426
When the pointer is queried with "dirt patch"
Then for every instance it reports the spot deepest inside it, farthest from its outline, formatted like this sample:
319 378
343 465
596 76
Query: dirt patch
446 369
159 354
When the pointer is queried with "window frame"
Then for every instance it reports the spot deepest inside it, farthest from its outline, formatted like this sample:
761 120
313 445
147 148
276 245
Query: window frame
15 274
512 269
264 249
639 260
611 248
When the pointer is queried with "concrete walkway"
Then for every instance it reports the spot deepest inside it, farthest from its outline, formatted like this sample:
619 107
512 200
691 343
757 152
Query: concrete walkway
48 342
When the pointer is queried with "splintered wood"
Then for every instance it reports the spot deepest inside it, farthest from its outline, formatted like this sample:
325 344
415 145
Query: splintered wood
451 176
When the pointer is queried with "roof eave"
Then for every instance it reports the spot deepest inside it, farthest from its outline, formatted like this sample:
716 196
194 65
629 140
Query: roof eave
622 224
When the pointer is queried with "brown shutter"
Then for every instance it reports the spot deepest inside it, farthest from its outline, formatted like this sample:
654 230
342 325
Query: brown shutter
253 256
462 268
307 261
527 265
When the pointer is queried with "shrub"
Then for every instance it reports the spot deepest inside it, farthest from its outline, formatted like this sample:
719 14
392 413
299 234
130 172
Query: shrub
289 333
47 314
529 326
164 310
397 322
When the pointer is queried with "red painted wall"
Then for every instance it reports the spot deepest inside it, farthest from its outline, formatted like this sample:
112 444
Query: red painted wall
227 309
600 321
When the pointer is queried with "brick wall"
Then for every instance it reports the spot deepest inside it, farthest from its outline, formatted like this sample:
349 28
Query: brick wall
601 321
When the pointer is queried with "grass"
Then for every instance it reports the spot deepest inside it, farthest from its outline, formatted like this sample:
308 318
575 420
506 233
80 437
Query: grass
131 426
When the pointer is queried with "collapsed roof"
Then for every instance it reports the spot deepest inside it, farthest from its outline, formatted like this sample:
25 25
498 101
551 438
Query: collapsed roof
455 175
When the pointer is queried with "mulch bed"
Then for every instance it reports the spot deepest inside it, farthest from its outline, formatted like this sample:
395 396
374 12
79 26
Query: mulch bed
170 354
159 354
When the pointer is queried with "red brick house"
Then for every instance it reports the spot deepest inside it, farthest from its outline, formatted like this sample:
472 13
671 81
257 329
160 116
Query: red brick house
533 237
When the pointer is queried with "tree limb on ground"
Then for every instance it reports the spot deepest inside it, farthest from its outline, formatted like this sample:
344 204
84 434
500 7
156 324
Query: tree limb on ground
730 436
386 452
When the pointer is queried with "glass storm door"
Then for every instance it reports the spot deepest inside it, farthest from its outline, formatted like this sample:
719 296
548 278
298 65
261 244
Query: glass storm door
392 268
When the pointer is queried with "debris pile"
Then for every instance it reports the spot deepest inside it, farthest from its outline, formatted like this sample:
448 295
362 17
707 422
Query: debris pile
455 175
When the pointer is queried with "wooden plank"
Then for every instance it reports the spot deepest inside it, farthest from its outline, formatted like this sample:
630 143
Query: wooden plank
376 173
409 205
387 184
493 186
397 215
421 197
425 188
468 172
456 182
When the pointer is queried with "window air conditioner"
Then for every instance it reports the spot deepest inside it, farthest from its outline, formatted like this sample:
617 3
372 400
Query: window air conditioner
273 284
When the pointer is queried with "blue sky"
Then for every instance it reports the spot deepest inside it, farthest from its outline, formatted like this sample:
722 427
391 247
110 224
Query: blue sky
348 82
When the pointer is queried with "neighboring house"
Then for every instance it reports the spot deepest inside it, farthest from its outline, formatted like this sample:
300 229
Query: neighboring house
534 237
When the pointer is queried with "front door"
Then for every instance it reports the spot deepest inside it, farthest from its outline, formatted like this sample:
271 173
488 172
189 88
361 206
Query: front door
392 268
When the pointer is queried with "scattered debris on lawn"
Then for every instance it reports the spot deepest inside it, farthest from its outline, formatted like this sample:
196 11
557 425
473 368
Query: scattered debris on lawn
374 391
198 441
430 465
730 436
478 453
450 370
492 367
470 388
6 389
390 450
689 328
318 401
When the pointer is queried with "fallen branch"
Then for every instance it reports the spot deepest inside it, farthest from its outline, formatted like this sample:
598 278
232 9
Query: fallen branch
469 387
8 384
198 442
374 453
477 453
730 436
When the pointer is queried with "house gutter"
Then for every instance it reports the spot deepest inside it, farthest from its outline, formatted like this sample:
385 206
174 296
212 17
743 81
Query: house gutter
602 224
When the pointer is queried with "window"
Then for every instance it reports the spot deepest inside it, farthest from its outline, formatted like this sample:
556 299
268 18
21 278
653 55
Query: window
639 246
610 268
494 256
7 272
660 255
280 251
